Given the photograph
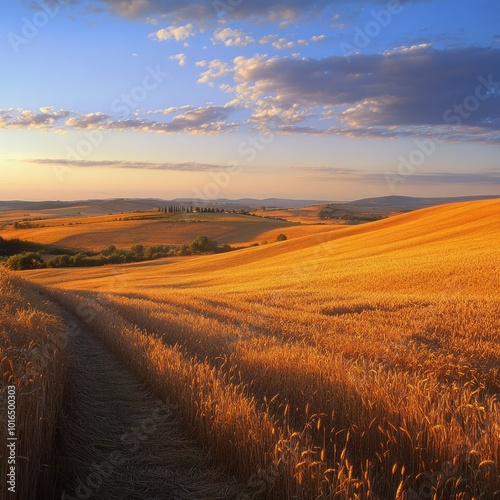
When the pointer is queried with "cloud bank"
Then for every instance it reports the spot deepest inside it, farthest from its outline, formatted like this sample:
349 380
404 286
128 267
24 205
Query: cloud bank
201 120
451 94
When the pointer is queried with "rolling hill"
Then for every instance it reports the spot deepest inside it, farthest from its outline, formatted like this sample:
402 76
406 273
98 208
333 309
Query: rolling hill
421 245
403 203
360 362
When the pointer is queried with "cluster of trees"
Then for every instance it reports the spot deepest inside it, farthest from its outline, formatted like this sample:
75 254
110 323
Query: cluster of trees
350 216
175 209
26 225
210 210
29 259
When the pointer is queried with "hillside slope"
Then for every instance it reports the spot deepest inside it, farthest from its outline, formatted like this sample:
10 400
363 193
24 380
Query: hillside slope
379 340
406 253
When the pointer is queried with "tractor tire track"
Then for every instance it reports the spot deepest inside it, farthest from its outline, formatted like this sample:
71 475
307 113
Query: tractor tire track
120 442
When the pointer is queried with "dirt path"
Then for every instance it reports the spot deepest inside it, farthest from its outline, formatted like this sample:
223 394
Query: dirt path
119 442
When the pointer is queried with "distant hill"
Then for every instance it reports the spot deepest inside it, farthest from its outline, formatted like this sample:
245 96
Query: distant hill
406 203
382 204
133 204
252 203
94 206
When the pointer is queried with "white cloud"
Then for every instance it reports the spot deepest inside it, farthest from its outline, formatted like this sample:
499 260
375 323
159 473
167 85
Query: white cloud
283 43
216 69
90 120
232 38
267 39
277 43
180 58
201 120
177 33
171 110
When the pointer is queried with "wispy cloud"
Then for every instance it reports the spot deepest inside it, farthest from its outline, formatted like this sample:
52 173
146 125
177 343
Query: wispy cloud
207 9
196 10
181 167
318 174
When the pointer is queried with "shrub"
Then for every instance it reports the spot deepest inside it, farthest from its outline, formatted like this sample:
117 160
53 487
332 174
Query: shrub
60 261
25 260
281 237
109 250
203 244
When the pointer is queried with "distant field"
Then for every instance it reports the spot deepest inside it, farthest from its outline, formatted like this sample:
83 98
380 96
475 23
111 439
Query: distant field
101 231
305 215
74 209
407 246
359 362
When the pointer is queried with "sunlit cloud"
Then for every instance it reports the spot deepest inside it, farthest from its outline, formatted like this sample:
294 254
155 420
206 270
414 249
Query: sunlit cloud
319 174
232 37
180 58
201 120
177 33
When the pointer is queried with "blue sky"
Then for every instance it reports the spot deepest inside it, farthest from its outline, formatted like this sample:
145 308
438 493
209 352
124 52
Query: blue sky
233 98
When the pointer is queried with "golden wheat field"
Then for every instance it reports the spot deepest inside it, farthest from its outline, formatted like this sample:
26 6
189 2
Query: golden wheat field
306 215
353 363
33 359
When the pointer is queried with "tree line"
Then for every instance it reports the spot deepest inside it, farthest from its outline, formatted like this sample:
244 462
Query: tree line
180 209
19 255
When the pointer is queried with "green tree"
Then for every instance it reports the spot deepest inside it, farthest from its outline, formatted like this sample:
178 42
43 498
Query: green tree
137 250
25 260
203 244
60 261
109 250
77 260
183 250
